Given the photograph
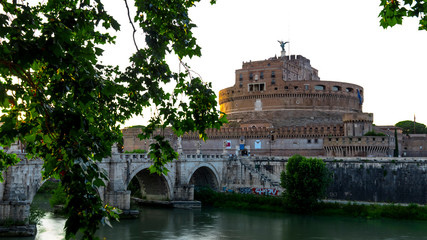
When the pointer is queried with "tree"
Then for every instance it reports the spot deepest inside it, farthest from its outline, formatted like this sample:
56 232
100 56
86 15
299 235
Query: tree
66 107
409 127
396 144
305 181
393 12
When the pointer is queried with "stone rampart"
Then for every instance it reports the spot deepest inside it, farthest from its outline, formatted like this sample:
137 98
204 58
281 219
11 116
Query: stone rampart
394 180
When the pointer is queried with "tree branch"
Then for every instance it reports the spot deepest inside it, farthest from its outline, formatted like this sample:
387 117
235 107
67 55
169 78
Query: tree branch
133 26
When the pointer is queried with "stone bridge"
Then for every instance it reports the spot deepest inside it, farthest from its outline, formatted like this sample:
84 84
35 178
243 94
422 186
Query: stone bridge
399 180
23 180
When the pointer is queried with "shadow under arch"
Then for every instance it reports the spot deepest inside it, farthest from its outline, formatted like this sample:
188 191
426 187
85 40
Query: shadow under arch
152 186
204 177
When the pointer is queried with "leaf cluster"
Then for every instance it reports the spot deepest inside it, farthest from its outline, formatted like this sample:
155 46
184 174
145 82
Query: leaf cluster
393 12
373 133
66 107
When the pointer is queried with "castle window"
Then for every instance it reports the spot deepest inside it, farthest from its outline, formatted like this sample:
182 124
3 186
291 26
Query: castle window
255 87
251 76
261 75
308 140
306 87
316 140
296 87
319 87
275 88
273 81
286 87
349 89
336 88
240 84
240 77
273 74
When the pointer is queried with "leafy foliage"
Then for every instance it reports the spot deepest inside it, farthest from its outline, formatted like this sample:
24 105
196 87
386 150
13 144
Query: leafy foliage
305 181
373 133
394 11
66 107
211 198
36 215
59 196
408 127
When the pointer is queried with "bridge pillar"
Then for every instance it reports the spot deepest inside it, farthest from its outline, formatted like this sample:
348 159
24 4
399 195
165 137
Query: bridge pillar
115 194
119 199
184 192
15 211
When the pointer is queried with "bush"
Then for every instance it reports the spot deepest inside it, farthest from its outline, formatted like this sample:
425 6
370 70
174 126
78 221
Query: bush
137 151
305 181
59 196
49 186
373 133
36 214
210 198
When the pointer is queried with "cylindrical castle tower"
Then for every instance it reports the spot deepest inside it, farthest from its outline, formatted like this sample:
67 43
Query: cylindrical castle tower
287 91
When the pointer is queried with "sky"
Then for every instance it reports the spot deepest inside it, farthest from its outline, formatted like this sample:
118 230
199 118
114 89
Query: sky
342 39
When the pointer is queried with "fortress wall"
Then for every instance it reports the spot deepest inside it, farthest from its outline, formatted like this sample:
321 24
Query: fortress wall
394 180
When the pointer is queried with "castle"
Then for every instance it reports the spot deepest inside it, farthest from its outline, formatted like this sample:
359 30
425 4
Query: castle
280 107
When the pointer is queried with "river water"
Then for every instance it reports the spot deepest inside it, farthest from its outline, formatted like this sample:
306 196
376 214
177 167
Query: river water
157 223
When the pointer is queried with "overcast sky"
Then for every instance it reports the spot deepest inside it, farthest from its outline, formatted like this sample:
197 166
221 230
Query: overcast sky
342 39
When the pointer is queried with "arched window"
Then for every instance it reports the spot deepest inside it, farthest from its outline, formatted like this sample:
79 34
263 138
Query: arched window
319 87
336 88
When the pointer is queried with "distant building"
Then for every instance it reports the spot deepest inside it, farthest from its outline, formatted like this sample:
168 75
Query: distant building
280 107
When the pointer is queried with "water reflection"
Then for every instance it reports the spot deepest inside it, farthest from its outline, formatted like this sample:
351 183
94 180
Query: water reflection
156 223
231 224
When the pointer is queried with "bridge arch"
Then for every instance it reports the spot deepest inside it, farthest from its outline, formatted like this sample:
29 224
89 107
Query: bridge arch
204 175
152 186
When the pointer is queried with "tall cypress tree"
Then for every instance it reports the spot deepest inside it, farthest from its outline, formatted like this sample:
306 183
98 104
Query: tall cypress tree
396 147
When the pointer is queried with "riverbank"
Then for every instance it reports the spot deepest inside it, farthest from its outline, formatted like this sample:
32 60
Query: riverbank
327 208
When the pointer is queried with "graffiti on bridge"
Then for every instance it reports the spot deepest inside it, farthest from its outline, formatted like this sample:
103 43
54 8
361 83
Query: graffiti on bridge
259 191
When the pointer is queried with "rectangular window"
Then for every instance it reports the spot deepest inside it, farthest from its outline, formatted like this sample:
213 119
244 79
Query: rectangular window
251 76
240 77
273 74
256 87
262 75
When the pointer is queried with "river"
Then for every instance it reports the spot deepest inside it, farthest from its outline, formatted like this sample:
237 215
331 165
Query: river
157 223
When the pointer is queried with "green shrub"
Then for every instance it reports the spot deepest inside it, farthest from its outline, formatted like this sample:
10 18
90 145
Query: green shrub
305 181
36 214
49 186
373 133
134 188
59 196
210 198
137 151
